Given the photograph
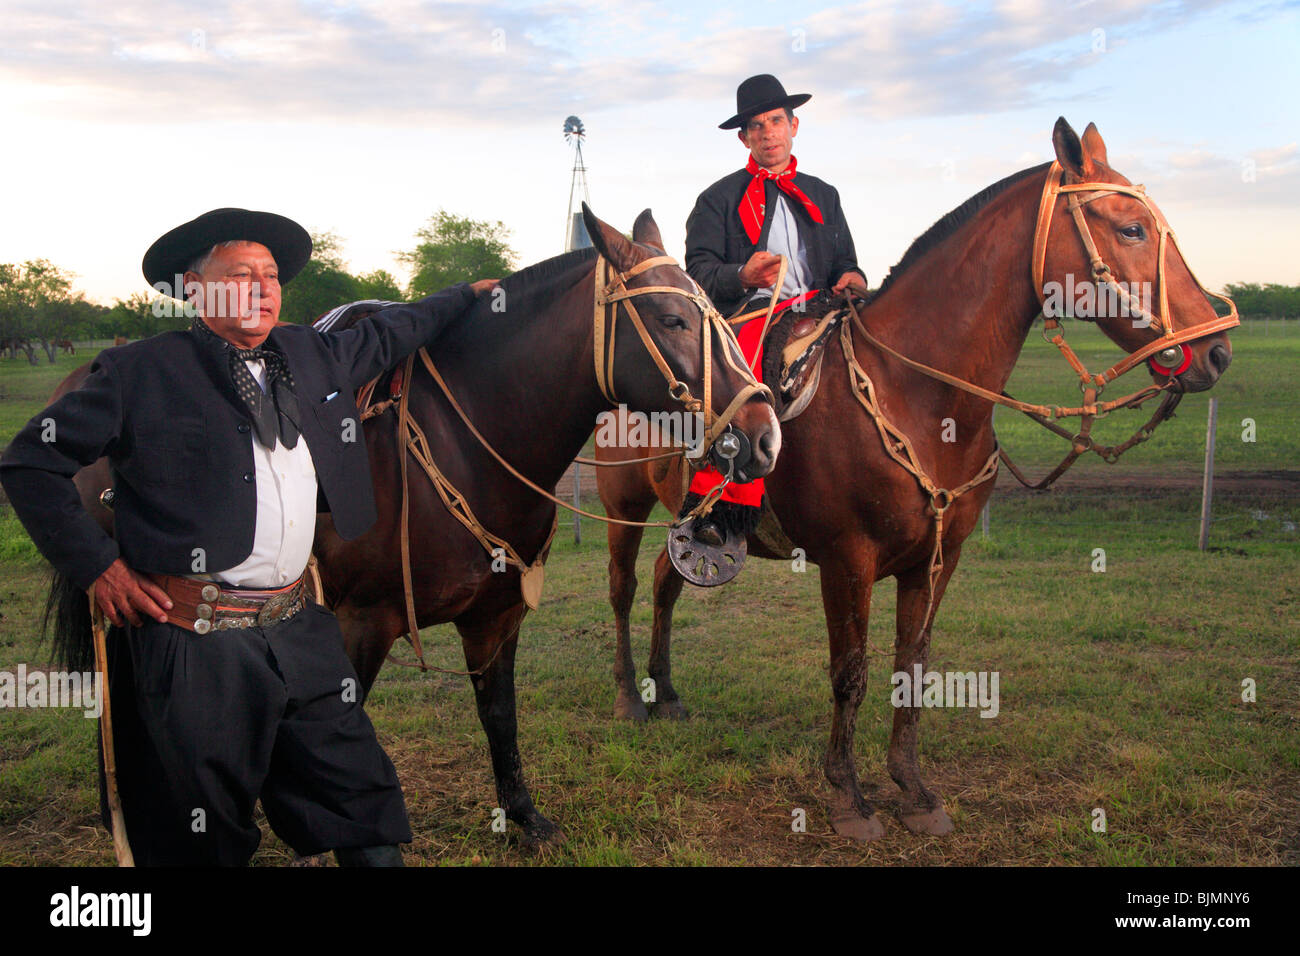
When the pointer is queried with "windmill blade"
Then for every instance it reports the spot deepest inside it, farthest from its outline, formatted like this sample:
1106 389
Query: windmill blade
574 131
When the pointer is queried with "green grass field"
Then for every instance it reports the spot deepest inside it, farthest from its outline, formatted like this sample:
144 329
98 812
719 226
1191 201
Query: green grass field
1120 690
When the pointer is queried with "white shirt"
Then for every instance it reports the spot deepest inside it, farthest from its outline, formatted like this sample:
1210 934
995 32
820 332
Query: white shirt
783 239
286 512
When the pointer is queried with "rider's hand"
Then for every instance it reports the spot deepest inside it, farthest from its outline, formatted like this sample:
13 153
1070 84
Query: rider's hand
123 593
850 280
760 271
484 285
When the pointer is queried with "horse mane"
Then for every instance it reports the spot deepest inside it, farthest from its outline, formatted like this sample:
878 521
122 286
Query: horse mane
951 222
540 275
535 285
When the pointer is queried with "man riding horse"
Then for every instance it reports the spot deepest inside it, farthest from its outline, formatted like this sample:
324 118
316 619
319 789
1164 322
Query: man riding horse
230 685
737 233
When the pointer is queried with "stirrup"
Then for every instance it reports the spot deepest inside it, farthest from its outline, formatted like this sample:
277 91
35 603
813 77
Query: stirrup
704 565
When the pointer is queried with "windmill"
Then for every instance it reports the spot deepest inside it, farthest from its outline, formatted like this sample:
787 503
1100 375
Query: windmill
575 230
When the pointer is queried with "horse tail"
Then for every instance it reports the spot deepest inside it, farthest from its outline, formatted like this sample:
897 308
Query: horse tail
68 609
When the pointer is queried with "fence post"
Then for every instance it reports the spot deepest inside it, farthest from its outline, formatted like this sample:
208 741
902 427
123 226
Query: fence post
1207 484
577 503
984 512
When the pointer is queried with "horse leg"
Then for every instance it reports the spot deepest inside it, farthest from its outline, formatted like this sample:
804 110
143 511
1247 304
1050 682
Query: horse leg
494 694
921 810
668 588
846 582
624 543
368 636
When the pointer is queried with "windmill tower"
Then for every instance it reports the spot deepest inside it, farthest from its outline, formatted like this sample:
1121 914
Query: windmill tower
575 230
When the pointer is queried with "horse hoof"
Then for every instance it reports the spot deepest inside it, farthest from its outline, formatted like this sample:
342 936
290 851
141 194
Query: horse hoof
670 710
851 824
541 833
630 708
934 822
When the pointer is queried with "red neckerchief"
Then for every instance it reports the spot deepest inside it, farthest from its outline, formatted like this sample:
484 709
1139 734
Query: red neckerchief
752 208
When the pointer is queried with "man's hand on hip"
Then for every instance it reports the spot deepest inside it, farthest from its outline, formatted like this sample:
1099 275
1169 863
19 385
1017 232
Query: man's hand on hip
123 593
484 285
760 271
850 280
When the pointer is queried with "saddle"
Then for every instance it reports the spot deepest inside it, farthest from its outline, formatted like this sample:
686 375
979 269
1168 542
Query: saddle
793 350
390 382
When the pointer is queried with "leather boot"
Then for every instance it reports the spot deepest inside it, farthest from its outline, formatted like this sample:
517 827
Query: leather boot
370 856
706 531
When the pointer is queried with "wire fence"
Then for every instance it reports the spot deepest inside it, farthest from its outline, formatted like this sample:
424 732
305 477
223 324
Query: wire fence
1245 489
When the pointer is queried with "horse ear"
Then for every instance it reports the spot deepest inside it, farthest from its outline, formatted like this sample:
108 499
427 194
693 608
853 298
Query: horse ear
646 230
1093 146
609 242
1069 151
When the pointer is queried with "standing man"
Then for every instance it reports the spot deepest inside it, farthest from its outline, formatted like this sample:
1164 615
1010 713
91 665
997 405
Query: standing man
735 236
222 439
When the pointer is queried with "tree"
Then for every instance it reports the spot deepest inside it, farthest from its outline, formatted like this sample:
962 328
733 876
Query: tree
1271 299
453 249
322 284
38 305
140 316
380 285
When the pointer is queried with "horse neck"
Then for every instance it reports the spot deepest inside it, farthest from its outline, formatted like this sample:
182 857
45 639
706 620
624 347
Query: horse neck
965 307
525 378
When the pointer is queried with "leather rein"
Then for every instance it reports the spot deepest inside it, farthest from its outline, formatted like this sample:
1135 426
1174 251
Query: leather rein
899 447
1168 343
610 289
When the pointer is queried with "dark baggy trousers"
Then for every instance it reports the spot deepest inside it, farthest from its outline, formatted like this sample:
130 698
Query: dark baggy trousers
204 725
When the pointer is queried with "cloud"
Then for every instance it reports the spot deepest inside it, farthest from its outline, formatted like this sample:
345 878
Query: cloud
489 63
1260 179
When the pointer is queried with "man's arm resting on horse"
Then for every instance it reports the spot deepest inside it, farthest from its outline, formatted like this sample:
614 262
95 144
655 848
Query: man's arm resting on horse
380 341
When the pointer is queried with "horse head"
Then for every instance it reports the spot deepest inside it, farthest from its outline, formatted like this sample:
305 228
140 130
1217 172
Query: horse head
1118 263
698 372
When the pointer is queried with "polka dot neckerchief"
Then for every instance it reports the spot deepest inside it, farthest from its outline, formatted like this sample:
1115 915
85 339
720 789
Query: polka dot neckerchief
278 406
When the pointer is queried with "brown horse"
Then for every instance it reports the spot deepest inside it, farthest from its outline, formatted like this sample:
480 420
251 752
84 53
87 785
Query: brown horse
961 300
525 376
525 379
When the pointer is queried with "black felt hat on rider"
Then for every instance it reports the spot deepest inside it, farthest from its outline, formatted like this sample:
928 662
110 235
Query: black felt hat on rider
758 94
174 251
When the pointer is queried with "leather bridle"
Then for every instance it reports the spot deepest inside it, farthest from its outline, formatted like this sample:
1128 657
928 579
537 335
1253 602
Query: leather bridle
612 288
1102 274
1091 384
899 447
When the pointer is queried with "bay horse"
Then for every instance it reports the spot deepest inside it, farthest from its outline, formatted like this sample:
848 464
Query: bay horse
525 375
962 301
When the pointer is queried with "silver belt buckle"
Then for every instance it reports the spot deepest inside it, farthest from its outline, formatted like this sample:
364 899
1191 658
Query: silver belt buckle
276 605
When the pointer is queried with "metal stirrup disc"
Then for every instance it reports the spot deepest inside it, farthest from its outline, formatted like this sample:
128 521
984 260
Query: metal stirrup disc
703 565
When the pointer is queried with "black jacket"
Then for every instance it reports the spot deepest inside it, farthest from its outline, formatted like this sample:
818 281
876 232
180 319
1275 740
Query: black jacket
717 245
166 413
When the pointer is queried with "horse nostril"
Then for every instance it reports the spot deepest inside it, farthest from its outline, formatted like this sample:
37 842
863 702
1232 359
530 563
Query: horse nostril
767 445
1220 358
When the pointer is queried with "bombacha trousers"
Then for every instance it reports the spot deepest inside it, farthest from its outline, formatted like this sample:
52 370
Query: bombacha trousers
205 725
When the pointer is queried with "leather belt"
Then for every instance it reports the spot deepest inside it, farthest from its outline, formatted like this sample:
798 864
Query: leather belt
203 606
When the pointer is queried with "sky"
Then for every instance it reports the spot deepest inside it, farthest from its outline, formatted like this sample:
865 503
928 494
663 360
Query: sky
123 120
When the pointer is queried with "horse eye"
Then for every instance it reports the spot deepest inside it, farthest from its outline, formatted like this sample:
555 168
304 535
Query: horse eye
673 321
1134 232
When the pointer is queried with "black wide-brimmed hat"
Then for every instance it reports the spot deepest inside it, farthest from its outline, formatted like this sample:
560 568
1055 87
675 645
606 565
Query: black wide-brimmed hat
174 251
758 94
